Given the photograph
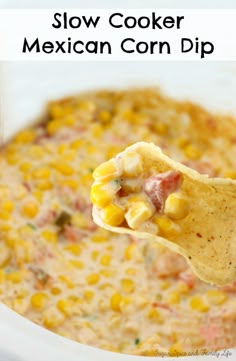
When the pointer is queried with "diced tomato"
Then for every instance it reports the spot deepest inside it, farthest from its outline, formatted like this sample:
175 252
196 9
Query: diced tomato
188 277
169 264
165 306
230 288
201 167
158 187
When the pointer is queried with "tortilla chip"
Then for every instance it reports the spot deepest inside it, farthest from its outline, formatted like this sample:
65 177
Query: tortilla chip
208 233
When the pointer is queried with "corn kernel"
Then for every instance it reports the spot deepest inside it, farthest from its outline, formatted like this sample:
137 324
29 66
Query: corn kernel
216 297
94 255
41 173
105 260
65 306
127 285
138 213
176 350
79 220
198 304
25 167
69 121
4 255
88 295
115 301
30 209
39 300
173 297
44 185
132 164
77 263
164 285
36 152
160 128
130 251
166 226
74 249
52 318
93 278
64 168
2 276
192 152
104 116
101 196
107 273
49 236
230 173
70 183
130 271
176 207
182 142
25 136
67 281
183 288
55 291
14 277
106 171
55 110
53 126
113 215
154 315
7 205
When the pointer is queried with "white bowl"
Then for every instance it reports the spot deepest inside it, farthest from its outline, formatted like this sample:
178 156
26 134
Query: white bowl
27 86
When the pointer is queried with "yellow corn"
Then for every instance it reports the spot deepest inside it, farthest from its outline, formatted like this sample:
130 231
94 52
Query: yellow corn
7 205
176 207
52 318
106 171
176 350
100 195
67 281
127 285
25 167
65 306
173 297
192 152
132 164
44 185
230 173
2 276
88 295
69 121
105 260
164 285
166 226
77 263
107 273
130 251
130 271
104 116
74 249
41 173
113 215
30 209
92 279
64 168
36 152
25 136
39 300
55 291
97 130
49 236
198 304
154 315
79 220
14 277
160 128
182 142
183 288
115 301
138 213
53 126
70 183
216 297
55 110
4 255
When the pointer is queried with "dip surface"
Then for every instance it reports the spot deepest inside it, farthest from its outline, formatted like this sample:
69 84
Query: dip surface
58 269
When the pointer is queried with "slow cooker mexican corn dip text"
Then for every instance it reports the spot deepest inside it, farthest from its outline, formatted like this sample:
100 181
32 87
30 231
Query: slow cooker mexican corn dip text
63 272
